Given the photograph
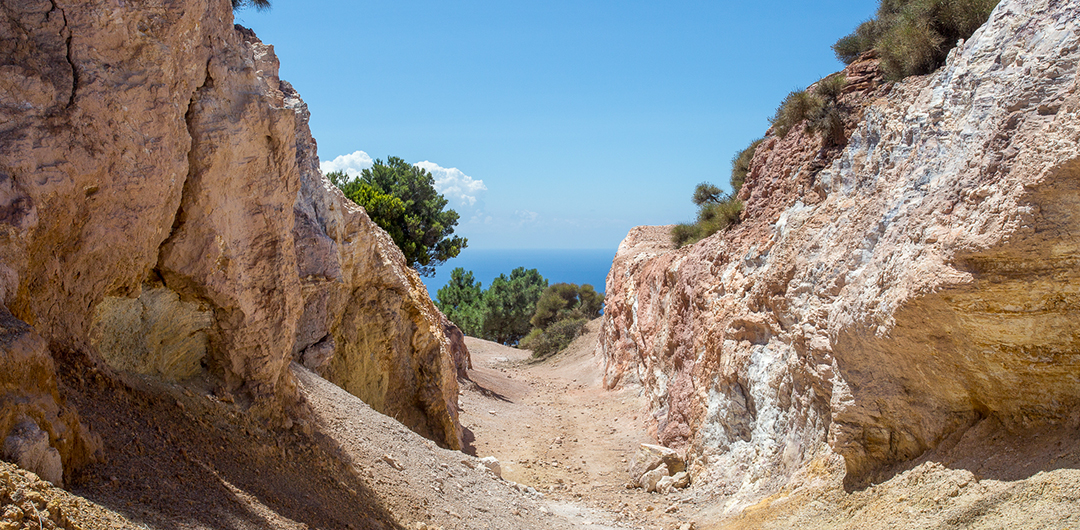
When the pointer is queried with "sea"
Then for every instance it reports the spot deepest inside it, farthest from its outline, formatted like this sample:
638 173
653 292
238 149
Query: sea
580 266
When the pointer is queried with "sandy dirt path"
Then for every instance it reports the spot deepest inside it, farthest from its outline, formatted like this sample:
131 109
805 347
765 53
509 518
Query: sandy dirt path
554 427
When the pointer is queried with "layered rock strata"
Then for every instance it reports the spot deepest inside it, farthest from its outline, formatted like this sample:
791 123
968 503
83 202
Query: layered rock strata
880 301
161 212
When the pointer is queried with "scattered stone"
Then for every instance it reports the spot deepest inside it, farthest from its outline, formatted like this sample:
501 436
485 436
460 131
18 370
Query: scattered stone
649 480
687 526
393 462
664 485
681 480
673 508
650 457
492 464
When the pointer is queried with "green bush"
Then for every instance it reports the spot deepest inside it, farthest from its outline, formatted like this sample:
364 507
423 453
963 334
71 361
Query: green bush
566 300
827 120
910 48
860 41
914 36
712 217
555 338
719 215
819 110
590 302
796 107
829 124
685 234
556 302
740 165
830 87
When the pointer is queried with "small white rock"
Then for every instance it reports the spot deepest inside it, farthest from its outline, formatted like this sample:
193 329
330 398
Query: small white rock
492 464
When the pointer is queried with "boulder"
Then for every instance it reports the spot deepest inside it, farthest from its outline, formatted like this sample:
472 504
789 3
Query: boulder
27 446
650 479
318 355
665 484
680 480
651 456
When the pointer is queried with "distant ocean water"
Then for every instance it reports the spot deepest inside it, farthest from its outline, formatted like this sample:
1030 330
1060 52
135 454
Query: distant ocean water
578 266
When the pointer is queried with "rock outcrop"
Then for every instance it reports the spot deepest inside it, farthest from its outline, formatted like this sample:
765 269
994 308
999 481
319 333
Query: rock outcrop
877 302
162 214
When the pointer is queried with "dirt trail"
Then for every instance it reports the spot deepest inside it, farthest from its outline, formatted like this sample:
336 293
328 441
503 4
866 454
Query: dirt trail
555 428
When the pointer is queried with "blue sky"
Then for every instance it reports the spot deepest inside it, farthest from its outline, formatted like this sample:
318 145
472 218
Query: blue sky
554 124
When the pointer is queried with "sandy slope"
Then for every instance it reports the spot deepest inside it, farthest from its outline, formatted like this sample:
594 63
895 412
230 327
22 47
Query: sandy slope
555 428
184 457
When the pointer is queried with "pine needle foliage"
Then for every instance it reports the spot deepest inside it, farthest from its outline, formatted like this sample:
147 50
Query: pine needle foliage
401 198
259 4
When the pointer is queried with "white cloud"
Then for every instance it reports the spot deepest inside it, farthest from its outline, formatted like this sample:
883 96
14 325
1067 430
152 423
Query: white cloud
451 182
454 184
526 216
352 164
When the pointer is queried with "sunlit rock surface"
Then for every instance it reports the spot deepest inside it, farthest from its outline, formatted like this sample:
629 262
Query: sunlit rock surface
880 301
161 213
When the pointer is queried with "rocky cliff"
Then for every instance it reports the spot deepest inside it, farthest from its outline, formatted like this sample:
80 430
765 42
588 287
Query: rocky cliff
885 301
163 216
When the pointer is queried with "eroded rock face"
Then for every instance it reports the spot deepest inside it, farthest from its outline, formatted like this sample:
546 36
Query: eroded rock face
893 296
40 432
161 212
389 346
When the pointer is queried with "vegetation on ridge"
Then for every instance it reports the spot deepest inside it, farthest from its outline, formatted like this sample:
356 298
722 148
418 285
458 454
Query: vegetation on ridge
914 36
911 37
401 199
716 210
818 109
